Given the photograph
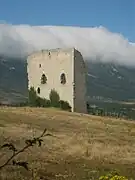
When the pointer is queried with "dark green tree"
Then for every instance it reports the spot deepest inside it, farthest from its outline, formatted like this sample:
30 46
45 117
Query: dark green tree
65 105
54 98
32 96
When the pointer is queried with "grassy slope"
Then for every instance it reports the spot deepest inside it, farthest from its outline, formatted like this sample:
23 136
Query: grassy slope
84 146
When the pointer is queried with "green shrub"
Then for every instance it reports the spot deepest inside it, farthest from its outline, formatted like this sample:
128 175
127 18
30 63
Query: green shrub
64 105
32 97
113 176
36 101
116 177
54 98
42 102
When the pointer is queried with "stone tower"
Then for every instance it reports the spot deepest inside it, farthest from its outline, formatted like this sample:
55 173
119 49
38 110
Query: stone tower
62 70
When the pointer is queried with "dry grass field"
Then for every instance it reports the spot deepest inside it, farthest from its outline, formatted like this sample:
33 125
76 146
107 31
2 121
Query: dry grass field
83 146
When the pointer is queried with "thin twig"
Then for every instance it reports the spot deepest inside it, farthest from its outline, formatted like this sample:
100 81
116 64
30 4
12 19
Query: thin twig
23 149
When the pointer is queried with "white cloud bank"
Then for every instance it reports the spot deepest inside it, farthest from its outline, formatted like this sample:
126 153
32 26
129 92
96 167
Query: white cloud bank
94 43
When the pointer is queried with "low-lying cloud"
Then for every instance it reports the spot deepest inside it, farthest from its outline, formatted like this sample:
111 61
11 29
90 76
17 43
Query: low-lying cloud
97 44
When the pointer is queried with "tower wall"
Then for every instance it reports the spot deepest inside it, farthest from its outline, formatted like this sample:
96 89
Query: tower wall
53 63
80 83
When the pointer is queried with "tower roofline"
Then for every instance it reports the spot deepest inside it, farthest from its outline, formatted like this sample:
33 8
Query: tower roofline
53 50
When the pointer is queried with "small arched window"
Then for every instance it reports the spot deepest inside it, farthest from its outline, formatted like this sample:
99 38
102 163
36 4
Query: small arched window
38 90
43 79
39 65
63 78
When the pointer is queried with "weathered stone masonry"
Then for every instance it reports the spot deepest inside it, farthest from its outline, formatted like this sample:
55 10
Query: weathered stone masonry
62 70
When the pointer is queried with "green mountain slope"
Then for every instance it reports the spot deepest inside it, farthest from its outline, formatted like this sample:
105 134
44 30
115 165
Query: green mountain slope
104 81
13 79
110 81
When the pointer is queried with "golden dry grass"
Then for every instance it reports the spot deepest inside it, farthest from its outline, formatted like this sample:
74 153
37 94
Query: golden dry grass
84 146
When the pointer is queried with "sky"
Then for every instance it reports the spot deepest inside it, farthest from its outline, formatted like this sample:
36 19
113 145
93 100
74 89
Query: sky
107 27
115 15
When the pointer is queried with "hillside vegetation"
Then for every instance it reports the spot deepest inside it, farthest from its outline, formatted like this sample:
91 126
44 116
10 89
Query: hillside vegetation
104 80
83 146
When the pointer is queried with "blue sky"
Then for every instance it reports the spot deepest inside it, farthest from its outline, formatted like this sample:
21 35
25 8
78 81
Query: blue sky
116 15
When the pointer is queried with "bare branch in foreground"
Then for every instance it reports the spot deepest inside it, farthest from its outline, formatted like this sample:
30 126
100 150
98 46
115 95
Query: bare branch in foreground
15 152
